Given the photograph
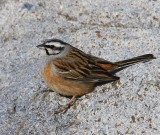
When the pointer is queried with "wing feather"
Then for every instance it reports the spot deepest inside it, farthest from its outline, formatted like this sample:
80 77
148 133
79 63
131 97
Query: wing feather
85 71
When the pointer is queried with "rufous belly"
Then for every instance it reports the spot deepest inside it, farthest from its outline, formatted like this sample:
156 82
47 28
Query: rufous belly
65 86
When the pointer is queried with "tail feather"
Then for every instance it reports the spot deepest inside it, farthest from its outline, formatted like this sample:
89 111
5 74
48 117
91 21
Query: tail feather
126 63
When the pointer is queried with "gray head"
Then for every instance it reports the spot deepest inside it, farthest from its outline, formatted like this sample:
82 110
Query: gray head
53 46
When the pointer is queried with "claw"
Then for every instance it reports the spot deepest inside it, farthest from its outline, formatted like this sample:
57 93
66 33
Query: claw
64 108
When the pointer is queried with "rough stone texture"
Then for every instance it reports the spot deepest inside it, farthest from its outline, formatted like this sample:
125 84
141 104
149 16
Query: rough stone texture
113 30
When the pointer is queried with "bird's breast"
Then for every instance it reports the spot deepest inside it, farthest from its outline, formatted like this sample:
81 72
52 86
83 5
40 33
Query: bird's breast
62 85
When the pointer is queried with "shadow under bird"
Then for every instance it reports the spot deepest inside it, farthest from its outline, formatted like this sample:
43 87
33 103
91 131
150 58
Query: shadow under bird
71 72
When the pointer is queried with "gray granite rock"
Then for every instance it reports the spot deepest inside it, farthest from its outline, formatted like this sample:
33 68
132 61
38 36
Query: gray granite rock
113 30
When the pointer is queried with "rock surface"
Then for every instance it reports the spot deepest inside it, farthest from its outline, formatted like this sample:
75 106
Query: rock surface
113 30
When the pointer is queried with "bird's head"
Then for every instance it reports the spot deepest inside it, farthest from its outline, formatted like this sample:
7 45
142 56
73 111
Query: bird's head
53 46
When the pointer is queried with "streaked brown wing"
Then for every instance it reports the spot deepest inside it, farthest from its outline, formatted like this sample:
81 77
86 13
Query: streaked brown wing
79 67
107 65
93 76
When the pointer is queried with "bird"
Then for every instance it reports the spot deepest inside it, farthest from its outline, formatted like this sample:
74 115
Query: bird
70 71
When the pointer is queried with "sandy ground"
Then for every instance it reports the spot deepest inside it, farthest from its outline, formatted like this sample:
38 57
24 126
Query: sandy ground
113 30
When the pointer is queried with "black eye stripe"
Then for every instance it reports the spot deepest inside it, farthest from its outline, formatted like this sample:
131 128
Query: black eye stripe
59 49
53 47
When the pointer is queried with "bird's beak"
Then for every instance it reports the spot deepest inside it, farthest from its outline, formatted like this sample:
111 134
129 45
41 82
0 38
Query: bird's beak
41 46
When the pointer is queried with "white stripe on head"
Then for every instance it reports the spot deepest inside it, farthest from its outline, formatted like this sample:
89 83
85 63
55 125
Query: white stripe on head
56 44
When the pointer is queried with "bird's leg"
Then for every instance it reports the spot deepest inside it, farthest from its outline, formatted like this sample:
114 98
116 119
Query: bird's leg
42 91
71 101
47 90
67 106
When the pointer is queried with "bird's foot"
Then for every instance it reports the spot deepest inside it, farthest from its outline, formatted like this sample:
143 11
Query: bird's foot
63 109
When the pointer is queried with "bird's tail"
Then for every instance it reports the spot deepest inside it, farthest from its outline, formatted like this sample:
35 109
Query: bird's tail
126 63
